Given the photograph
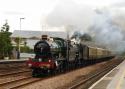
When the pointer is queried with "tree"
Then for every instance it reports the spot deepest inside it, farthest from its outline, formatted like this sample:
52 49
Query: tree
26 49
5 41
18 41
5 27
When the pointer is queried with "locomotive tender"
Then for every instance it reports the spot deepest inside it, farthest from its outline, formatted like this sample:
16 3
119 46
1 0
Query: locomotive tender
56 54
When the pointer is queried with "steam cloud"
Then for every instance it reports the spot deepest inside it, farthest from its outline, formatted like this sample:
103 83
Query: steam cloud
106 32
83 19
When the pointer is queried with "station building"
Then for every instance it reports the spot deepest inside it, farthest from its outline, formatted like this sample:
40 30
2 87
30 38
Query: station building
31 37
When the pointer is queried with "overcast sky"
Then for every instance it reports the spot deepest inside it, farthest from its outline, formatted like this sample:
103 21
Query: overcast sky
36 12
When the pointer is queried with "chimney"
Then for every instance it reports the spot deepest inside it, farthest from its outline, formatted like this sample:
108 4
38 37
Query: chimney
44 37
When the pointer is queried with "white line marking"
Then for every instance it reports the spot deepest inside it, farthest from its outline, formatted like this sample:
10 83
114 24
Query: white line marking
101 79
91 87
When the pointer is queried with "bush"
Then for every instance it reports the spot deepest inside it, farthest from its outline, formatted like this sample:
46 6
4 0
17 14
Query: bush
26 49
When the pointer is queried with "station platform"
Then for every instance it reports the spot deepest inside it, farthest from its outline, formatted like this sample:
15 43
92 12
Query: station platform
115 79
13 61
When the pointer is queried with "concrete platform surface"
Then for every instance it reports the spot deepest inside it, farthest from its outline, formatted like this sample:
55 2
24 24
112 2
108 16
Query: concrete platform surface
115 79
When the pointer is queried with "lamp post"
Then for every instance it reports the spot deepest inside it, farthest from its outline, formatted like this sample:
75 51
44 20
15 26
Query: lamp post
19 39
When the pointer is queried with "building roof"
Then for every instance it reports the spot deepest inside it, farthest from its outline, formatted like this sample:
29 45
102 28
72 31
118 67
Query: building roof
37 34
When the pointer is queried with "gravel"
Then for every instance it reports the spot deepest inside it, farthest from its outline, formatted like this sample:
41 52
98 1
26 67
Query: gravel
64 79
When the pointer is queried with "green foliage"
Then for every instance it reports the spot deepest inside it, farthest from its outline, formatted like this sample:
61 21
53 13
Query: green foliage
17 40
5 41
5 27
26 49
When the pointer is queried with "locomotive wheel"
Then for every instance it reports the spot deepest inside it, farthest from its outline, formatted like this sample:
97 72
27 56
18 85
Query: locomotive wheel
34 73
52 72
60 68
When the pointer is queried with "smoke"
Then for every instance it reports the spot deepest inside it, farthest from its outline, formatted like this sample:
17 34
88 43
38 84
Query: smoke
99 24
106 32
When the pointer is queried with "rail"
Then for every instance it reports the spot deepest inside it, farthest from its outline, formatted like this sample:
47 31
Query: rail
93 77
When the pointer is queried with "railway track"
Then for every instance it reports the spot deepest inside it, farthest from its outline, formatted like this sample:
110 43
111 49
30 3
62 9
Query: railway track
14 84
8 68
13 73
21 82
16 79
12 64
11 67
93 77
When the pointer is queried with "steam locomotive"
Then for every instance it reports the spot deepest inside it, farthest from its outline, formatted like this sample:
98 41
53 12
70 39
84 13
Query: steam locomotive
56 54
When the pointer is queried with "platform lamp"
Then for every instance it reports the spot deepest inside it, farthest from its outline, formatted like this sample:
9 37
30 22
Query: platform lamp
20 38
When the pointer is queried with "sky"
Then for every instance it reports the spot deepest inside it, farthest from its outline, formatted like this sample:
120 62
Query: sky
39 14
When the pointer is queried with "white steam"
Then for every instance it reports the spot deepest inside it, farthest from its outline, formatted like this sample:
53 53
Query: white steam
106 32
97 23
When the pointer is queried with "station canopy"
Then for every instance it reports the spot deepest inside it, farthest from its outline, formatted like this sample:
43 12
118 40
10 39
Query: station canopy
37 34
